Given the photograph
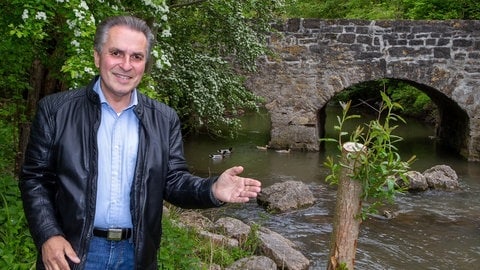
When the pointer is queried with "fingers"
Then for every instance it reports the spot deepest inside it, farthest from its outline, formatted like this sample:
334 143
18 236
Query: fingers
72 255
235 170
54 251
252 182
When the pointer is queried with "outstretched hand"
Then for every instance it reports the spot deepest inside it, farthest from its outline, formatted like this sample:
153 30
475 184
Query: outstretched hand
235 189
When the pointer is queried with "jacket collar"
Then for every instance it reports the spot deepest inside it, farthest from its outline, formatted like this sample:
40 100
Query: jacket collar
93 96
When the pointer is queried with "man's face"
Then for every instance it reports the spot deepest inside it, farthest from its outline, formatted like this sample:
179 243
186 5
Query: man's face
121 62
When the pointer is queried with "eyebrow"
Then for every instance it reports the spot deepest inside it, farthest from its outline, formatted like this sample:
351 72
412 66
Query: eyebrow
114 49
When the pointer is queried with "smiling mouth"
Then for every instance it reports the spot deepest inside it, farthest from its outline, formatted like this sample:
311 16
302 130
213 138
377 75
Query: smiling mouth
123 77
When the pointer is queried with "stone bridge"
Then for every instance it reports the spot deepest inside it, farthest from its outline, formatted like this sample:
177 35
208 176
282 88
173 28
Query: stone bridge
316 59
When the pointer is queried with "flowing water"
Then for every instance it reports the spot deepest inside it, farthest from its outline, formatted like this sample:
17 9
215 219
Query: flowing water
433 229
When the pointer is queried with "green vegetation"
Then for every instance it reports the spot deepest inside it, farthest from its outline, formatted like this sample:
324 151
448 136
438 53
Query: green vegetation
183 248
16 246
385 9
414 102
201 46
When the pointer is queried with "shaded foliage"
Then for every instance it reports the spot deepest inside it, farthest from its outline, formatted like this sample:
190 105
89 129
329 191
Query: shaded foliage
385 9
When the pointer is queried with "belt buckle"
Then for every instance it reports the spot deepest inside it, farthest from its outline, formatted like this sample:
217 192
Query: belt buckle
114 234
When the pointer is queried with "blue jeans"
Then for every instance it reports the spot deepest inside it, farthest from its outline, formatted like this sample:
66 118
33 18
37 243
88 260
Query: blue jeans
110 255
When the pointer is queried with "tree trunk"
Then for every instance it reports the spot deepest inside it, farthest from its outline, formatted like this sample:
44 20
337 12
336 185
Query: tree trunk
346 223
36 82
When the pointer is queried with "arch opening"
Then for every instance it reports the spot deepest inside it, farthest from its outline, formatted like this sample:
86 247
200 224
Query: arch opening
450 123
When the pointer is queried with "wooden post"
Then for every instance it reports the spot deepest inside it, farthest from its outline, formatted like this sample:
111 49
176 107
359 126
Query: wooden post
346 223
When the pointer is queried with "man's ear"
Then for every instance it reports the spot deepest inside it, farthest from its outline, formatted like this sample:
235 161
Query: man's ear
96 57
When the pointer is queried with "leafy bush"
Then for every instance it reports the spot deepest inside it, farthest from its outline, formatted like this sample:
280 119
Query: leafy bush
17 250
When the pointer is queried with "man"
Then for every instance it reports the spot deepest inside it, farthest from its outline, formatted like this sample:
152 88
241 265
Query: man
101 160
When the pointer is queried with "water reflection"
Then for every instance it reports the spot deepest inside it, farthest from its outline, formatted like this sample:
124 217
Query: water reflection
433 230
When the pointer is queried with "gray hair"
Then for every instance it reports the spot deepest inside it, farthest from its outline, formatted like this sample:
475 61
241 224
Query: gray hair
131 22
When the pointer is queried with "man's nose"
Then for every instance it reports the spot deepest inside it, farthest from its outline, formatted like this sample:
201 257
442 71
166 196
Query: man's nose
126 63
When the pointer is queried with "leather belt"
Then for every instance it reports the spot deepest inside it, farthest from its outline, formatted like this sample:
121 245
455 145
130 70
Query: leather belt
114 234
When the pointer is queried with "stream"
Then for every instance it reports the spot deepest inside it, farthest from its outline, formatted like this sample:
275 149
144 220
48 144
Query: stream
433 229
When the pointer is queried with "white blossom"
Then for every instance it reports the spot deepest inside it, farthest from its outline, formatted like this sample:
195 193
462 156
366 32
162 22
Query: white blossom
83 5
159 8
166 33
41 16
71 24
79 14
88 70
92 20
25 14
75 43
163 62
159 64
60 1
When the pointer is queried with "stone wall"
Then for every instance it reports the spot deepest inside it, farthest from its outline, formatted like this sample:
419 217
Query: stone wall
316 59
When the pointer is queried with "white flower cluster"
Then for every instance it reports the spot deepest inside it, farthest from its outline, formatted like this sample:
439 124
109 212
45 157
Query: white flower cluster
89 70
25 15
161 59
40 15
75 43
160 8
166 33
82 17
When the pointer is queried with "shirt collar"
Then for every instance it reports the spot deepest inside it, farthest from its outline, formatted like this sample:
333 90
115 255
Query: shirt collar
98 89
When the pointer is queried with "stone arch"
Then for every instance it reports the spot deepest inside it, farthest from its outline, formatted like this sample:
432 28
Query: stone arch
451 130
315 59
453 123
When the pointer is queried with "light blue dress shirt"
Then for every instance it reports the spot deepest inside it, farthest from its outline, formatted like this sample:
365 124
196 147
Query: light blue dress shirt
117 154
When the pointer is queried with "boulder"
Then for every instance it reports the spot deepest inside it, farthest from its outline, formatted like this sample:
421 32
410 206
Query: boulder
285 196
232 227
194 219
417 181
253 263
218 239
281 250
441 177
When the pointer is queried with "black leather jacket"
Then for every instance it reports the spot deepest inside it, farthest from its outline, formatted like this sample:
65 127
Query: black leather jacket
59 176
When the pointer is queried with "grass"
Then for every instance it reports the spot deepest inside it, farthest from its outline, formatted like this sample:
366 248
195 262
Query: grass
184 248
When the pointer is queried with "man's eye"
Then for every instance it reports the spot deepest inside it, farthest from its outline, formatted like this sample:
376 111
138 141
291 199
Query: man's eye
137 57
115 53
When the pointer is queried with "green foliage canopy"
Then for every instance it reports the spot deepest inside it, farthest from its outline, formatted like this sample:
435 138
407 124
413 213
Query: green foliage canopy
385 9
192 65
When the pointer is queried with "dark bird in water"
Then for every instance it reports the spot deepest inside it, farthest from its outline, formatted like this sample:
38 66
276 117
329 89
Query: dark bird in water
225 151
